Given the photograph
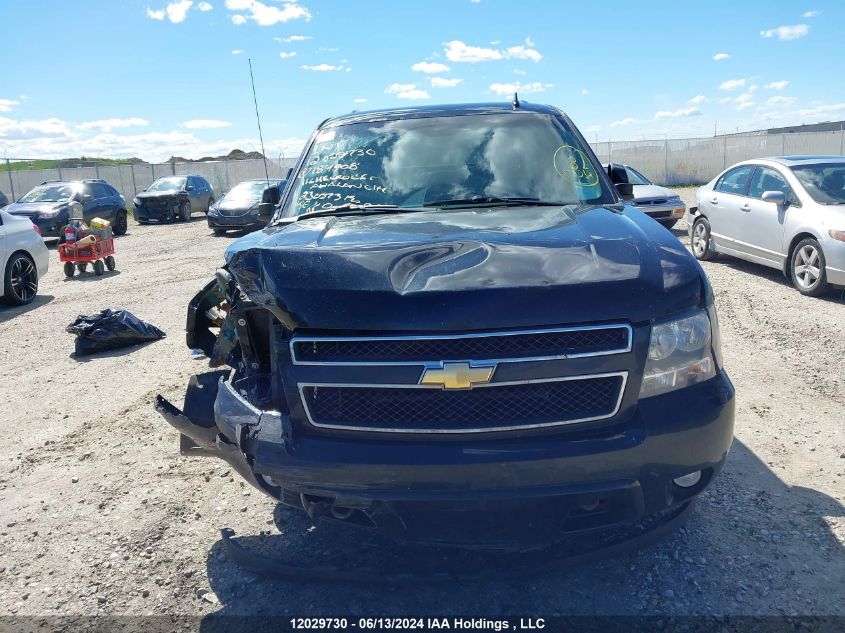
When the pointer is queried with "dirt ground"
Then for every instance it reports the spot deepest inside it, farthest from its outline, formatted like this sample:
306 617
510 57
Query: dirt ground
99 514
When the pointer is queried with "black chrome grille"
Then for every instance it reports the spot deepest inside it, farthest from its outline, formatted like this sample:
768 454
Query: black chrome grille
422 349
493 407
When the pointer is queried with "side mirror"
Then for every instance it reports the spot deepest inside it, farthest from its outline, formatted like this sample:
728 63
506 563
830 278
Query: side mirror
87 197
618 174
775 197
290 171
265 211
189 188
625 189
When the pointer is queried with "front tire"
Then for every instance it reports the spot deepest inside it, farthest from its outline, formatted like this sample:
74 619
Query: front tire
701 248
20 280
668 223
808 268
208 206
185 211
120 222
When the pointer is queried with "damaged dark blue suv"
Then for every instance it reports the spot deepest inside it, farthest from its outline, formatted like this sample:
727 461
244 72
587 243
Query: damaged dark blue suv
456 331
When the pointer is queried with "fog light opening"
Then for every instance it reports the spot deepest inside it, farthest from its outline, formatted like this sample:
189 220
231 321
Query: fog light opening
689 480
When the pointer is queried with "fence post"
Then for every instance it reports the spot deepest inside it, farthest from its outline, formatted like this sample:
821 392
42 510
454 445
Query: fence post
134 186
59 167
842 140
783 144
173 167
97 170
11 184
724 152
665 161
226 167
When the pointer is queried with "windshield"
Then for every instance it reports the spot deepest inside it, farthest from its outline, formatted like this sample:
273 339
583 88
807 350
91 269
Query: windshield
168 184
825 183
49 193
636 178
414 162
246 191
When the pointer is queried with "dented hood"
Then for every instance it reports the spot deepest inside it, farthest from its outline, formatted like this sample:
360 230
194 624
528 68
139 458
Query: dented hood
460 270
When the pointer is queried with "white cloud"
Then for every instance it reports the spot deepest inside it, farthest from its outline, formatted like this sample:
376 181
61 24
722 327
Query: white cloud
359 100
237 51
178 11
6 104
12 129
724 100
155 14
406 91
509 89
107 125
430 67
522 52
812 14
287 54
323 68
205 124
204 6
720 57
787 32
265 15
442 82
681 112
780 100
626 121
777 85
732 84
294 38
458 51
697 99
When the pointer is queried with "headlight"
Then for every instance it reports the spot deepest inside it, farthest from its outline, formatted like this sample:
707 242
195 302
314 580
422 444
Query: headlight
136 202
674 200
680 353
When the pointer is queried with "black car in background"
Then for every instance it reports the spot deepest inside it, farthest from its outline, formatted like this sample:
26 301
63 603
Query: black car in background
47 205
173 198
238 209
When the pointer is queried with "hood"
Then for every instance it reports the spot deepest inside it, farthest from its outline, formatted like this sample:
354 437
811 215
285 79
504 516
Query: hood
32 208
647 192
238 205
467 270
159 195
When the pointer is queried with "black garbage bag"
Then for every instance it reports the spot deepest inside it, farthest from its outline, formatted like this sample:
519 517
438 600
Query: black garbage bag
111 329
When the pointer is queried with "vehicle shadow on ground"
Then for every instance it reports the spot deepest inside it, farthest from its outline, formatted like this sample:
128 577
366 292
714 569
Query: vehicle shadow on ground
114 353
833 295
7 313
748 544
89 275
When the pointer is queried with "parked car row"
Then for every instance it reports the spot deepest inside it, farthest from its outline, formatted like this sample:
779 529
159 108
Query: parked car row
44 211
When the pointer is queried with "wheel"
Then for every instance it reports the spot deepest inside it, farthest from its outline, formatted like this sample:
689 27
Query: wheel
120 223
110 262
82 266
98 267
809 275
185 211
668 223
20 281
69 269
701 240
219 231
208 206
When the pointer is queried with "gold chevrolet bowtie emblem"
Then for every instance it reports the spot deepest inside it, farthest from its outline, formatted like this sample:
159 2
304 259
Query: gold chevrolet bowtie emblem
457 375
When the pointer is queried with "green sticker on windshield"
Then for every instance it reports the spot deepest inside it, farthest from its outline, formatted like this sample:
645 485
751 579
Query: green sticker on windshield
572 164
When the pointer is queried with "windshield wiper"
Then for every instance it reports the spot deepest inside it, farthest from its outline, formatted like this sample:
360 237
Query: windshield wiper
510 202
354 209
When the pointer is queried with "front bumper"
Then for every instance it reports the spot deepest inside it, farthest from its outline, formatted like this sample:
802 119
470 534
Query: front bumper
51 227
248 221
524 491
159 214
664 213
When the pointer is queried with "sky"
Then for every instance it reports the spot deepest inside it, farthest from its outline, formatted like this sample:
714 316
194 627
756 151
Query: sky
157 78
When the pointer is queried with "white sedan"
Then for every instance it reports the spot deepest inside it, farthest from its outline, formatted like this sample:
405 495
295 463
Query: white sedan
23 259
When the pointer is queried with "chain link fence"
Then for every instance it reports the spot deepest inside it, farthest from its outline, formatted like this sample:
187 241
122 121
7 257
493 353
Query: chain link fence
130 179
697 160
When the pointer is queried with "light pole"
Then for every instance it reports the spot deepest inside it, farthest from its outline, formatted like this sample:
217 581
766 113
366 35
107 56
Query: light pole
6 149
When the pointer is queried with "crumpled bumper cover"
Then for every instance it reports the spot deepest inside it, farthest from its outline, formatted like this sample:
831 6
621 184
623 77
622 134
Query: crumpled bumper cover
525 493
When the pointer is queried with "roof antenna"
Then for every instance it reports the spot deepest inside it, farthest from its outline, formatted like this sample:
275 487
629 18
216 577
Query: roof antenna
257 118
515 101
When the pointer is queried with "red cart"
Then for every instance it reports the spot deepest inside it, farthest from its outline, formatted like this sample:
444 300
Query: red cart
99 252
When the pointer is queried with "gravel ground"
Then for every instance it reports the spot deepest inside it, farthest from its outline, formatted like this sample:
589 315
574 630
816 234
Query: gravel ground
100 515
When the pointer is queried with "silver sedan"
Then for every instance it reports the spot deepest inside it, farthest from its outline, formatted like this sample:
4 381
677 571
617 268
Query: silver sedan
786 212
660 203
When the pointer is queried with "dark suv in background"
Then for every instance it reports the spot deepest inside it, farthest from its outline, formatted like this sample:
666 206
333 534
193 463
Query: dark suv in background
47 205
173 198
